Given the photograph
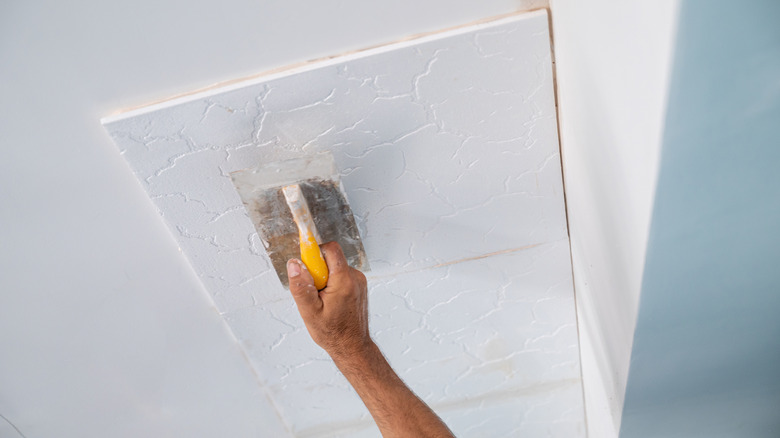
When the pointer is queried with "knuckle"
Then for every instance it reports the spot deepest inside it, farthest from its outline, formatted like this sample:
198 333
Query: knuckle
358 278
301 285
302 293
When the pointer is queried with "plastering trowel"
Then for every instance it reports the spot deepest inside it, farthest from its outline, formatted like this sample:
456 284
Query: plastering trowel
297 205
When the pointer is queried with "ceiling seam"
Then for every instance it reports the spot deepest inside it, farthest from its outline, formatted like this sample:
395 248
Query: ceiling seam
565 203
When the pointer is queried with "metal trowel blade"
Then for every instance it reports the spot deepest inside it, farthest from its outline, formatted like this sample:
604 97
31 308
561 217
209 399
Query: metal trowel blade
260 189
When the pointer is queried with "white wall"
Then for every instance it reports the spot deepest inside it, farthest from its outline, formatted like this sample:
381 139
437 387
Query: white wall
613 62
103 327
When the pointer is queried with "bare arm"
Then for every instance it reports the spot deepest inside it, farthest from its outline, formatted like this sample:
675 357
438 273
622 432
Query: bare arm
337 320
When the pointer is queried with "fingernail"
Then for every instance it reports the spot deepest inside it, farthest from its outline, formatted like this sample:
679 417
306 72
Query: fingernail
293 268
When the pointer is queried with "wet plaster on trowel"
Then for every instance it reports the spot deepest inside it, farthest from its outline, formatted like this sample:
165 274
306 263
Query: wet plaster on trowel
448 151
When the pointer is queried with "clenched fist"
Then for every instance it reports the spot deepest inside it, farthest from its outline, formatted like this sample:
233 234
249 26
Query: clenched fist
336 316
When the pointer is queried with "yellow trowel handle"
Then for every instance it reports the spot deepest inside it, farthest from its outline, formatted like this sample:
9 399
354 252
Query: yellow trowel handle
311 255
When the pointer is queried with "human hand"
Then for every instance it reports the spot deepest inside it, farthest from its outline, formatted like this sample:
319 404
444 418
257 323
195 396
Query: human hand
337 316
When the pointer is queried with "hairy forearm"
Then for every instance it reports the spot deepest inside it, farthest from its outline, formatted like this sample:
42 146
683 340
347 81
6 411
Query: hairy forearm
395 408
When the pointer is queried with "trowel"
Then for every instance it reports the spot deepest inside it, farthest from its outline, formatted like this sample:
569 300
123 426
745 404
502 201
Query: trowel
297 205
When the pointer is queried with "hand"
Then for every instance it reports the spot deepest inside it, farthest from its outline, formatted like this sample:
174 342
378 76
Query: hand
337 316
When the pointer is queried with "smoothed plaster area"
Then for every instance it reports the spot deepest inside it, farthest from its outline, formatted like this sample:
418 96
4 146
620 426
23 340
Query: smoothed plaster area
448 151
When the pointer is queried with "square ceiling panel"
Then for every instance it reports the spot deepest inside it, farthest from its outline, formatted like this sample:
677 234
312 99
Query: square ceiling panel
448 151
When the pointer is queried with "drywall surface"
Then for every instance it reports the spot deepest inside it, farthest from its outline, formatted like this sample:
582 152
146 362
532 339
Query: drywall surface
104 328
448 150
707 342
612 61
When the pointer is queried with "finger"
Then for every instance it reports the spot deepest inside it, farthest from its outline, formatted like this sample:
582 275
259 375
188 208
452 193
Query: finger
334 258
302 287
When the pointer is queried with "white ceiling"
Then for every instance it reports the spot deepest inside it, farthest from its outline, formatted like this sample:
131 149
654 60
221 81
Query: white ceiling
104 328
449 155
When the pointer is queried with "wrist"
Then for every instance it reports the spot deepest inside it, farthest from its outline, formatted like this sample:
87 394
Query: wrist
355 354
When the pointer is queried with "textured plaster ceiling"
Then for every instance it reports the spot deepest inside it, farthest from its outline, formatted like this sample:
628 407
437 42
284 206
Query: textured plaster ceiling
448 151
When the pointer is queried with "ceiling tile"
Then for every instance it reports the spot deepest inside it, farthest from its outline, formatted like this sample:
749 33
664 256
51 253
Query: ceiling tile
448 151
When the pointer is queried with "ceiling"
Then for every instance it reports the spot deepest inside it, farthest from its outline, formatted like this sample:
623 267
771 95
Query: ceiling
449 156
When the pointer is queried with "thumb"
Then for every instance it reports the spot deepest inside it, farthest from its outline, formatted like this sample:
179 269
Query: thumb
302 287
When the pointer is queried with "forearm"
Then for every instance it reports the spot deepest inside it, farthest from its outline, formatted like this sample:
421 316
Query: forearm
337 319
395 408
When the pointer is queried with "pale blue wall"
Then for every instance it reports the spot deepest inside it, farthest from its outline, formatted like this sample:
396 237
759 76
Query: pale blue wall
706 355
